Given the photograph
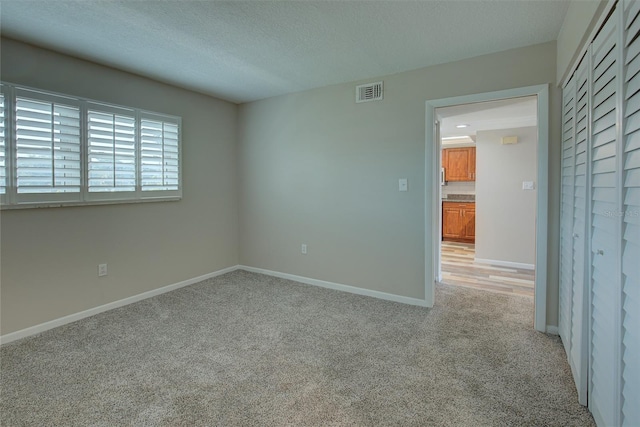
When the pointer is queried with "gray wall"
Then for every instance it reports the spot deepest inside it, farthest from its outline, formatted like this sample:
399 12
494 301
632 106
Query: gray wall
316 168
578 23
505 213
49 257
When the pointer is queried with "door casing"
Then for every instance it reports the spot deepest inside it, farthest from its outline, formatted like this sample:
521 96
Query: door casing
433 203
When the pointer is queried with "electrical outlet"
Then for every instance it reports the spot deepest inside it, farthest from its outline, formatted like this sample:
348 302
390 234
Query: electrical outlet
303 249
102 270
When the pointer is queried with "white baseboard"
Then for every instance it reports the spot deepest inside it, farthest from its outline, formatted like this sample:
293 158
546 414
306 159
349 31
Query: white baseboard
23 333
338 286
33 330
506 263
553 330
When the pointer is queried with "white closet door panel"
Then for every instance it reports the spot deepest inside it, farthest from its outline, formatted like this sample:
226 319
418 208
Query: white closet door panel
632 67
603 95
566 215
632 26
604 336
631 220
632 86
578 351
632 121
631 320
605 107
604 136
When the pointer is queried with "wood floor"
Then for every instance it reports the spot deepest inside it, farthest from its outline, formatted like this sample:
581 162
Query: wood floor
459 268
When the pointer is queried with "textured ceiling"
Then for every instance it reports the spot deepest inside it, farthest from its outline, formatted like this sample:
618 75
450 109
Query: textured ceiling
247 50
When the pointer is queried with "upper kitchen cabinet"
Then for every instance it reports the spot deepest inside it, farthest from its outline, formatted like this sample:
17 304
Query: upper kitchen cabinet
459 164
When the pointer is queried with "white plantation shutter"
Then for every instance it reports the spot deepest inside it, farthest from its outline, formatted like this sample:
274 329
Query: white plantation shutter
3 146
47 145
566 214
159 155
111 150
605 291
59 150
631 220
579 310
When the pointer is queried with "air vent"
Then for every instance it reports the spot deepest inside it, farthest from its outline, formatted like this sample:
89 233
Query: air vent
369 92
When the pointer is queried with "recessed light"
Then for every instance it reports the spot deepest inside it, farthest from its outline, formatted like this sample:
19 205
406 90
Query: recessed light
447 138
462 126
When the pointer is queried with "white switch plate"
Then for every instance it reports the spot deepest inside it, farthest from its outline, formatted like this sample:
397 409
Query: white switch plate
527 185
303 249
402 184
102 270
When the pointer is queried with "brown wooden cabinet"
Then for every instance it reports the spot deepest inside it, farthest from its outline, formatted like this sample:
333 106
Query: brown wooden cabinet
459 222
459 164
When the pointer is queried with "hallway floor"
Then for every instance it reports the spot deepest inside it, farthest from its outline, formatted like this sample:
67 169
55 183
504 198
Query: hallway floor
459 268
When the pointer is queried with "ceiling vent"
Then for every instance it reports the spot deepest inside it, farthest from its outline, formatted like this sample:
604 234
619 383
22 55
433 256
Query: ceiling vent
369 92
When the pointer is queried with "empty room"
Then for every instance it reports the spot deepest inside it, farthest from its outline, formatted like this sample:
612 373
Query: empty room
229 213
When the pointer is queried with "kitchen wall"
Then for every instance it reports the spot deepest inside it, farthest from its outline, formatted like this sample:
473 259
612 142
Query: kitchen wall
318 169
505 213
49 256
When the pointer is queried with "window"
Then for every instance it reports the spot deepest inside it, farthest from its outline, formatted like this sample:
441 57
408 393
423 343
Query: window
159 155
47 146
3 148
111 151
60 150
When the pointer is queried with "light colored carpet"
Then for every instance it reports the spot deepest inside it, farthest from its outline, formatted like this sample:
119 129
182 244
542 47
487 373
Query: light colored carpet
246 349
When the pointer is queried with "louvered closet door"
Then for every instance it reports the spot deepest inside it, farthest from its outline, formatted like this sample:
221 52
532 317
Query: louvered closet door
578 353
605 292
566 214
631 220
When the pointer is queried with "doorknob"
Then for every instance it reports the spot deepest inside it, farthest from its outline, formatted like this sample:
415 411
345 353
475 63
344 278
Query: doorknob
576 235
599 252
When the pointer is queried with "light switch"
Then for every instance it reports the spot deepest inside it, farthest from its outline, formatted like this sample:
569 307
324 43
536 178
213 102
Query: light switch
402 184
527 185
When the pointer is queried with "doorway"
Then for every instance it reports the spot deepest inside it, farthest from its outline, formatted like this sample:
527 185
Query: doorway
487 191
434 206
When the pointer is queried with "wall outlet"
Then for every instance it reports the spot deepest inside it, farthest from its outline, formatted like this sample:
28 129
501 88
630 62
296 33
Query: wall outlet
102 270
528 185
303 249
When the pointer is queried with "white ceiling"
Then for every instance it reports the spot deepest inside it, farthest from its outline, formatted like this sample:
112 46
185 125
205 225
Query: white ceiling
502 114
247 50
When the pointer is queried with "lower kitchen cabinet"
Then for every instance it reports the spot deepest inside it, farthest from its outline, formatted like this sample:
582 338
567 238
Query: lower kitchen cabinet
459 222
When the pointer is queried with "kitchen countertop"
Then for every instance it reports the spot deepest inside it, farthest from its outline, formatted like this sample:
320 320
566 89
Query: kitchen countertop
467 198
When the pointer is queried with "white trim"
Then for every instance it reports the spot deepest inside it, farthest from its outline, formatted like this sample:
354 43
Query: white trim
553 330
520 265
337 286
23 333
432 168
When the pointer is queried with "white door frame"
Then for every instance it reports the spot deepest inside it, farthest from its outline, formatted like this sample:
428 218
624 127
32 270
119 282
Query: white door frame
433 203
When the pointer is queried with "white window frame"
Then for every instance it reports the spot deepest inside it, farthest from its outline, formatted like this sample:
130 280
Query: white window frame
14 200
4 198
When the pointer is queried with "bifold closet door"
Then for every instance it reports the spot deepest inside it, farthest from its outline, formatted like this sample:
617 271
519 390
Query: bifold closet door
630 217
604 372
578 352
566 214
573 309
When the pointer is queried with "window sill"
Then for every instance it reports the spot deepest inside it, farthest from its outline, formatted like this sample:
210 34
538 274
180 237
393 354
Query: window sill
5 207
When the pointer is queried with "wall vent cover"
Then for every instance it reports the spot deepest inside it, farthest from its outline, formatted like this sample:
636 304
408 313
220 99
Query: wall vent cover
369 92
